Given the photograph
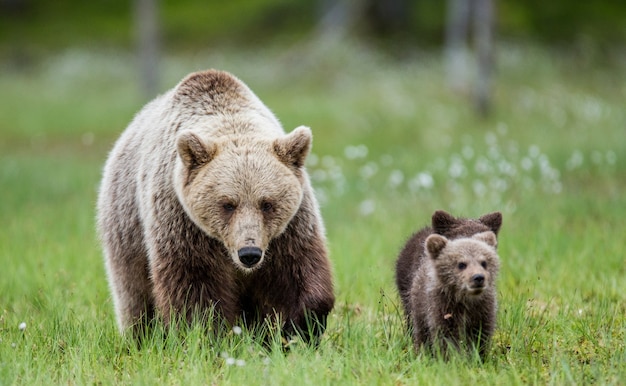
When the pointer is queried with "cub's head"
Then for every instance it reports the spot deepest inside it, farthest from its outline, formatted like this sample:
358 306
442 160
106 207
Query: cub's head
465 266
242 192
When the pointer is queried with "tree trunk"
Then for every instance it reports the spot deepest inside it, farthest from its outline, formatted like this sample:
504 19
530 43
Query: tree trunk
146 21
457 55
456 52
337 17
483 35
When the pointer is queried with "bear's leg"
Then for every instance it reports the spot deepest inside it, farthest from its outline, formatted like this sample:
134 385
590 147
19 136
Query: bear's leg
420 333
310 324
309 316
187 293
126 263
290 291
131 294
191 277
121 232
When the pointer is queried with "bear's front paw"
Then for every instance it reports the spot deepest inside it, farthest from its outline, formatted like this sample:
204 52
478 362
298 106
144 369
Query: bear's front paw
309 326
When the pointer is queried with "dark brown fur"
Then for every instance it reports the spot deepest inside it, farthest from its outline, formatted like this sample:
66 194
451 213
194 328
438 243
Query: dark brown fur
411 260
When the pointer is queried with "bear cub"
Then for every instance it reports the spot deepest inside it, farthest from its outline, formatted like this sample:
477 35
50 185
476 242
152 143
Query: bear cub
446 279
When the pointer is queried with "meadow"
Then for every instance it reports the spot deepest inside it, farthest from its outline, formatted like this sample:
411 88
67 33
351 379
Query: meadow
391 145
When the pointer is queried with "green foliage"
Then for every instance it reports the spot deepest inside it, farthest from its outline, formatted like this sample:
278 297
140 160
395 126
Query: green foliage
562 21
391 145
31 28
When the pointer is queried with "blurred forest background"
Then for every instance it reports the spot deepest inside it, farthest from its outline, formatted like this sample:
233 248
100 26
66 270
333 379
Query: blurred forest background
31 29
467 33
593 31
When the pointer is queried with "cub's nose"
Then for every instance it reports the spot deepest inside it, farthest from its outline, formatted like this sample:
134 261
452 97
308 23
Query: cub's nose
249 256
478 279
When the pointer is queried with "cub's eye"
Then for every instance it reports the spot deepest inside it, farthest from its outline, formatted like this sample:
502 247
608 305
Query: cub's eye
462 266
228 207
266 206
484 264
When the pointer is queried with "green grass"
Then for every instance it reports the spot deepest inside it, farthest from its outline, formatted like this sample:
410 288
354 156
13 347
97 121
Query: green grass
391 145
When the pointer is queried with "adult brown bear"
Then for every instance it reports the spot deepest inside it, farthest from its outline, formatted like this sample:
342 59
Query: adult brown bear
205 204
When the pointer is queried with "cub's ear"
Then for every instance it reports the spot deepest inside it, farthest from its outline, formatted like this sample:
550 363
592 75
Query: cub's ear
435 244
193 151
442 221
487 237
492 220
293 148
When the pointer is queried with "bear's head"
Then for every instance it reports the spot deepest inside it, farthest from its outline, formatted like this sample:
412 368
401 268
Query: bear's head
465 267
243 192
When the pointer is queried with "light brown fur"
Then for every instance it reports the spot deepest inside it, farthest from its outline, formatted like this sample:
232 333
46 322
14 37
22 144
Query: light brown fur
201 174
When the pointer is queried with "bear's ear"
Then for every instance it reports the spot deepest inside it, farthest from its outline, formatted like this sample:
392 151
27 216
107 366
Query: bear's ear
487 237
442 221
435 244
193 151
492 220
293 148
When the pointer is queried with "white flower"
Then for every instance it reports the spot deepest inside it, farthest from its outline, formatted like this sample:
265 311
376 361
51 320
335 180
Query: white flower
354 152
479 188
237 330
367 207
575 160
368 170
426 180
240 362
533 151
312 159
422 180
468 152
498 184
395 178
526 163
22 326
230 361
351 152
611 157
319 175
456 169
362 151
506 168
482 166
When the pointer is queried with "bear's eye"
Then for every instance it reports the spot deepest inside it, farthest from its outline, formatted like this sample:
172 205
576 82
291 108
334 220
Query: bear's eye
228 207
266 206
484 264
462 266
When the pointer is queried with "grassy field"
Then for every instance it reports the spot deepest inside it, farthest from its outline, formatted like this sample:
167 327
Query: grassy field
391 146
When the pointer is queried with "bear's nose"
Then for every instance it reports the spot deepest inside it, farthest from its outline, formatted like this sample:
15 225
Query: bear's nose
249 256
478 279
